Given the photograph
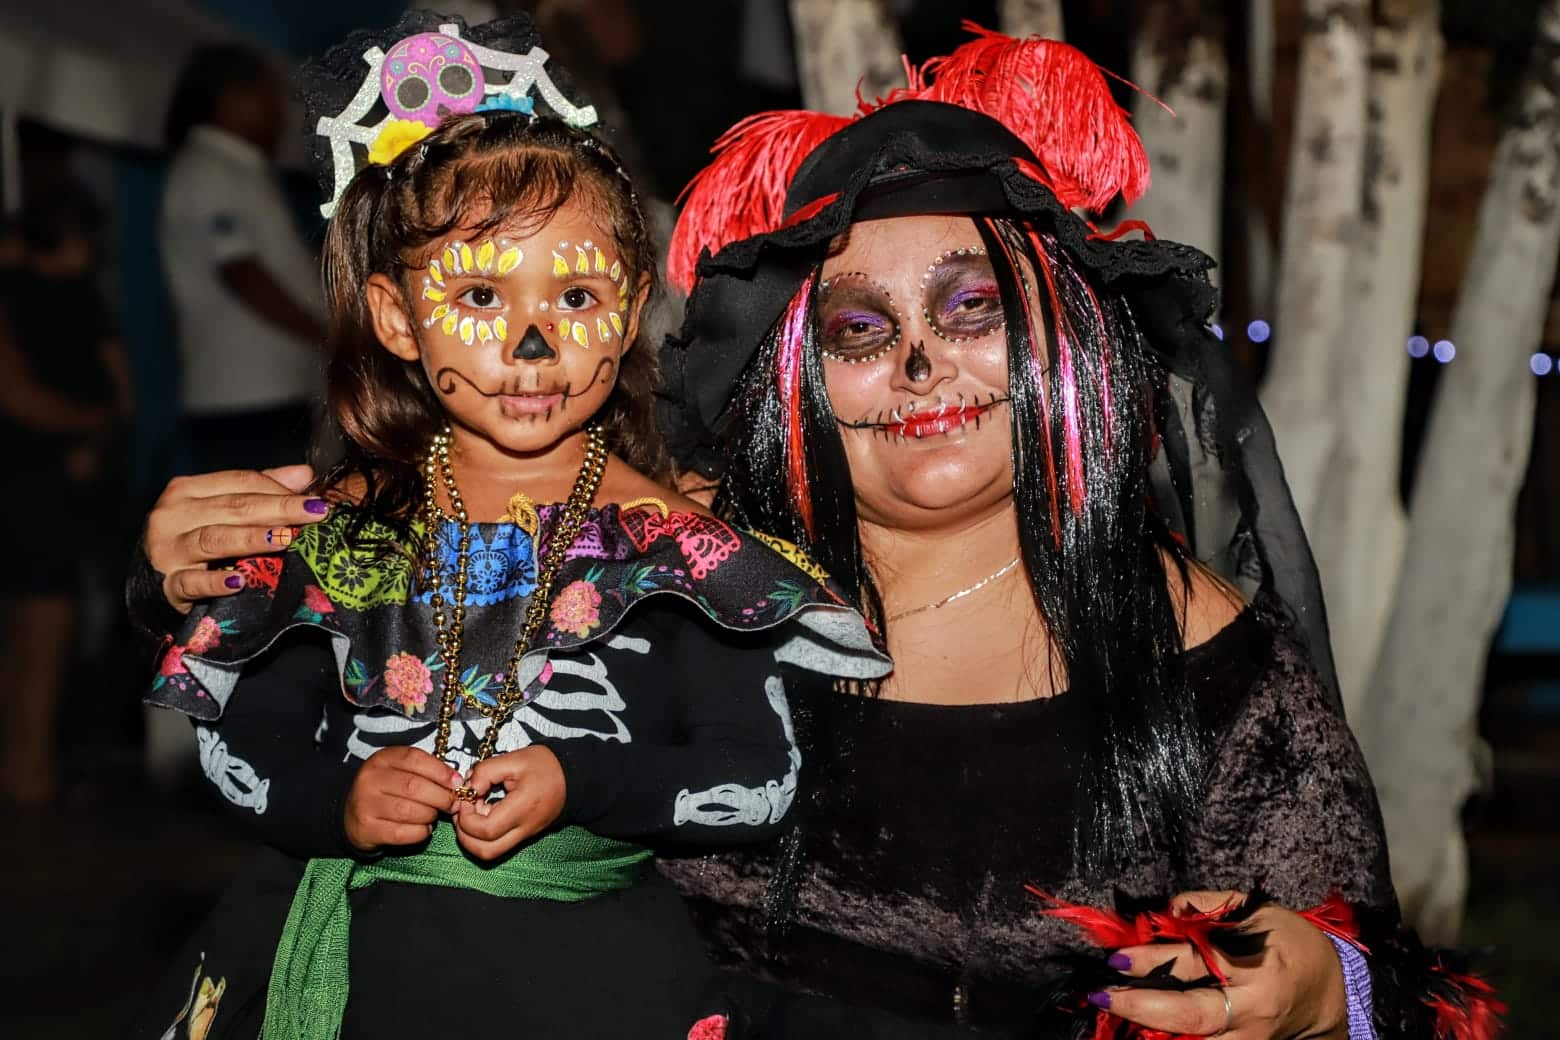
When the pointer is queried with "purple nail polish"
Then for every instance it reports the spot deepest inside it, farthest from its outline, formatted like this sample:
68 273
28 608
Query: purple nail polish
233 581
268 538
1100 999
1119 961
317 506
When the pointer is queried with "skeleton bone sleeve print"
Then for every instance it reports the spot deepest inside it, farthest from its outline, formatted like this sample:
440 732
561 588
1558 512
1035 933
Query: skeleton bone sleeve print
699 749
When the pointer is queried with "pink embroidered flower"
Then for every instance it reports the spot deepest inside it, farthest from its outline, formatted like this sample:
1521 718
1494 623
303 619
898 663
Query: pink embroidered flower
173 661
315 599
207 635
577 609
712 1027
408 682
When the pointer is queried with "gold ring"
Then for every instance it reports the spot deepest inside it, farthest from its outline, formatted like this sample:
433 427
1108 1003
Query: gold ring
1229 1012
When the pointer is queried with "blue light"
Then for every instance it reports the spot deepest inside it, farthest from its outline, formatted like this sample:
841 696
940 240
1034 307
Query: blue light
1541 364
1217 330
1444 351
1418 346
1259 331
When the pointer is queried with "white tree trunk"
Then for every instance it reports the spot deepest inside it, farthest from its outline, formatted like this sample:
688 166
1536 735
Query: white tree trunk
1422 744
843 43
1319 231
1359 528
1031 18
1259 241
1178 57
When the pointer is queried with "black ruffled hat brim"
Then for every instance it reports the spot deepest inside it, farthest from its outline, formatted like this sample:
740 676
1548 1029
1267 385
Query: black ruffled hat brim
910 157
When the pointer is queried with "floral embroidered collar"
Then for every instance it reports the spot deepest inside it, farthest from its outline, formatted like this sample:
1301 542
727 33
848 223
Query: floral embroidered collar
353 577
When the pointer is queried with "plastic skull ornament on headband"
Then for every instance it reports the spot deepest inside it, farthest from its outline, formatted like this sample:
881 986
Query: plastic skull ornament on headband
424 70
429 77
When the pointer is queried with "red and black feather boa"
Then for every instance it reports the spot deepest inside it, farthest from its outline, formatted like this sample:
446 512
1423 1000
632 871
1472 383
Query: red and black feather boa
1419 992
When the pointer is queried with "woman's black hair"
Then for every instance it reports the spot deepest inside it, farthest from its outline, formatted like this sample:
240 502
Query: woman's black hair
1093 550
207 73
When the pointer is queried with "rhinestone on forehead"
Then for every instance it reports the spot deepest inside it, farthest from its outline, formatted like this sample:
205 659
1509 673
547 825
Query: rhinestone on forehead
931 269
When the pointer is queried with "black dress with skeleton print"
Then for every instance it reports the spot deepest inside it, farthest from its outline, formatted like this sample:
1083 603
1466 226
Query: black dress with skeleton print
658 681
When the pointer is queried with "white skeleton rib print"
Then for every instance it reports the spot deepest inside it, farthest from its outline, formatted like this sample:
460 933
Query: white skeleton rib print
595 711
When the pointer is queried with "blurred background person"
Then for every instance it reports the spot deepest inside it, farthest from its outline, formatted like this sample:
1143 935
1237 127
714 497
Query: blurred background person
64 389
243 282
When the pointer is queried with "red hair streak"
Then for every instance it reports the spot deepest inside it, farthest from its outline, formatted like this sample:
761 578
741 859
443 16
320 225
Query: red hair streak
1038 363
791 357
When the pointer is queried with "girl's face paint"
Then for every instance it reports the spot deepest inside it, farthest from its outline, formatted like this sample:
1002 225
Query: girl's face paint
466 315
589 259
934 448
477 298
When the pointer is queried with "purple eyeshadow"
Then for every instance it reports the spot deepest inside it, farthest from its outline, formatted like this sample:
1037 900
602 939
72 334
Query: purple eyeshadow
845 318
959 298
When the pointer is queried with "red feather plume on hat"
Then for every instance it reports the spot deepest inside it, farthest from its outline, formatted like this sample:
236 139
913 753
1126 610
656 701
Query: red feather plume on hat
1047 93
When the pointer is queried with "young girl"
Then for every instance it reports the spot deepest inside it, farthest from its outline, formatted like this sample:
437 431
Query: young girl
463 705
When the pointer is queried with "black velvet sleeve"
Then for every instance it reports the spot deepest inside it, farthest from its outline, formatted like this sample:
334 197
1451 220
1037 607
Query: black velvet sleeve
1291 811
722 770
264 763
1290 807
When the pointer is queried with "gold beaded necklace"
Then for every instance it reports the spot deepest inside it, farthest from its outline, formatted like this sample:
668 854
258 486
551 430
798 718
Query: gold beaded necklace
448 629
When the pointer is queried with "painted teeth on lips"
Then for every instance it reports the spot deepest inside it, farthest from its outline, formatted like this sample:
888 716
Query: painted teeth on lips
942 420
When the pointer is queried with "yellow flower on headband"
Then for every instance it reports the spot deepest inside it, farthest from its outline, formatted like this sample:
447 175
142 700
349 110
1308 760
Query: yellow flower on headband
397 136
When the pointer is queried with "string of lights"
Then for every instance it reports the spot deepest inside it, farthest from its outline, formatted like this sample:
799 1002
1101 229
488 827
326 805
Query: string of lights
1442 351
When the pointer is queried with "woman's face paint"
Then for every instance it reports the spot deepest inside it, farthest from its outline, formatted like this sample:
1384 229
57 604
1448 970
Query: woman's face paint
915 362
516 350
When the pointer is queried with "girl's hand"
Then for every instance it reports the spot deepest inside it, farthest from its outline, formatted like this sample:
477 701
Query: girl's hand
224 516
1293 988
397 797
534 788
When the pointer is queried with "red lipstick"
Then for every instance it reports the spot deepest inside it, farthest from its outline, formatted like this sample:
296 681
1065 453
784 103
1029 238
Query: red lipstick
919 425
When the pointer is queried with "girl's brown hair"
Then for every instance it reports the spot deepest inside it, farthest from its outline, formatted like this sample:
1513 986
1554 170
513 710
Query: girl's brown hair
512 169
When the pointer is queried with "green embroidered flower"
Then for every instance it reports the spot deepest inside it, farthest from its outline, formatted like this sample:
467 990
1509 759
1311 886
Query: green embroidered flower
356 575
347 573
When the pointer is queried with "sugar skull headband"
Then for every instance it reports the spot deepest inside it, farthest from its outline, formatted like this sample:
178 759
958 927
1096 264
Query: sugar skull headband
425 78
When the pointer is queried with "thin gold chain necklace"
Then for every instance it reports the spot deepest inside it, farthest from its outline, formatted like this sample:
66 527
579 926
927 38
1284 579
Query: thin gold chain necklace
449 628
968 590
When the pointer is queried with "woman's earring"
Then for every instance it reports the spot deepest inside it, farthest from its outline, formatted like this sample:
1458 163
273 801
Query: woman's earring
918 367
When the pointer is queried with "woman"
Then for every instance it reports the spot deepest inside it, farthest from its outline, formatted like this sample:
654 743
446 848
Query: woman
64 386
1018 442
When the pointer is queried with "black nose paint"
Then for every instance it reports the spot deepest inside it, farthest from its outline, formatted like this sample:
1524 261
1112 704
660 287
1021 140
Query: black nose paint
918 368
533 347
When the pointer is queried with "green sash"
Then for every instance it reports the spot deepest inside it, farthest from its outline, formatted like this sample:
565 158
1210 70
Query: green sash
308 990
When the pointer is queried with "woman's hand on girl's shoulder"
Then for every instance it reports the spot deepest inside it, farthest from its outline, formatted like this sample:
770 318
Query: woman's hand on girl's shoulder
1293 988
203 519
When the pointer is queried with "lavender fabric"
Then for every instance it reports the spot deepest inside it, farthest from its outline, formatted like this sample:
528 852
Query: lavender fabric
1356 987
